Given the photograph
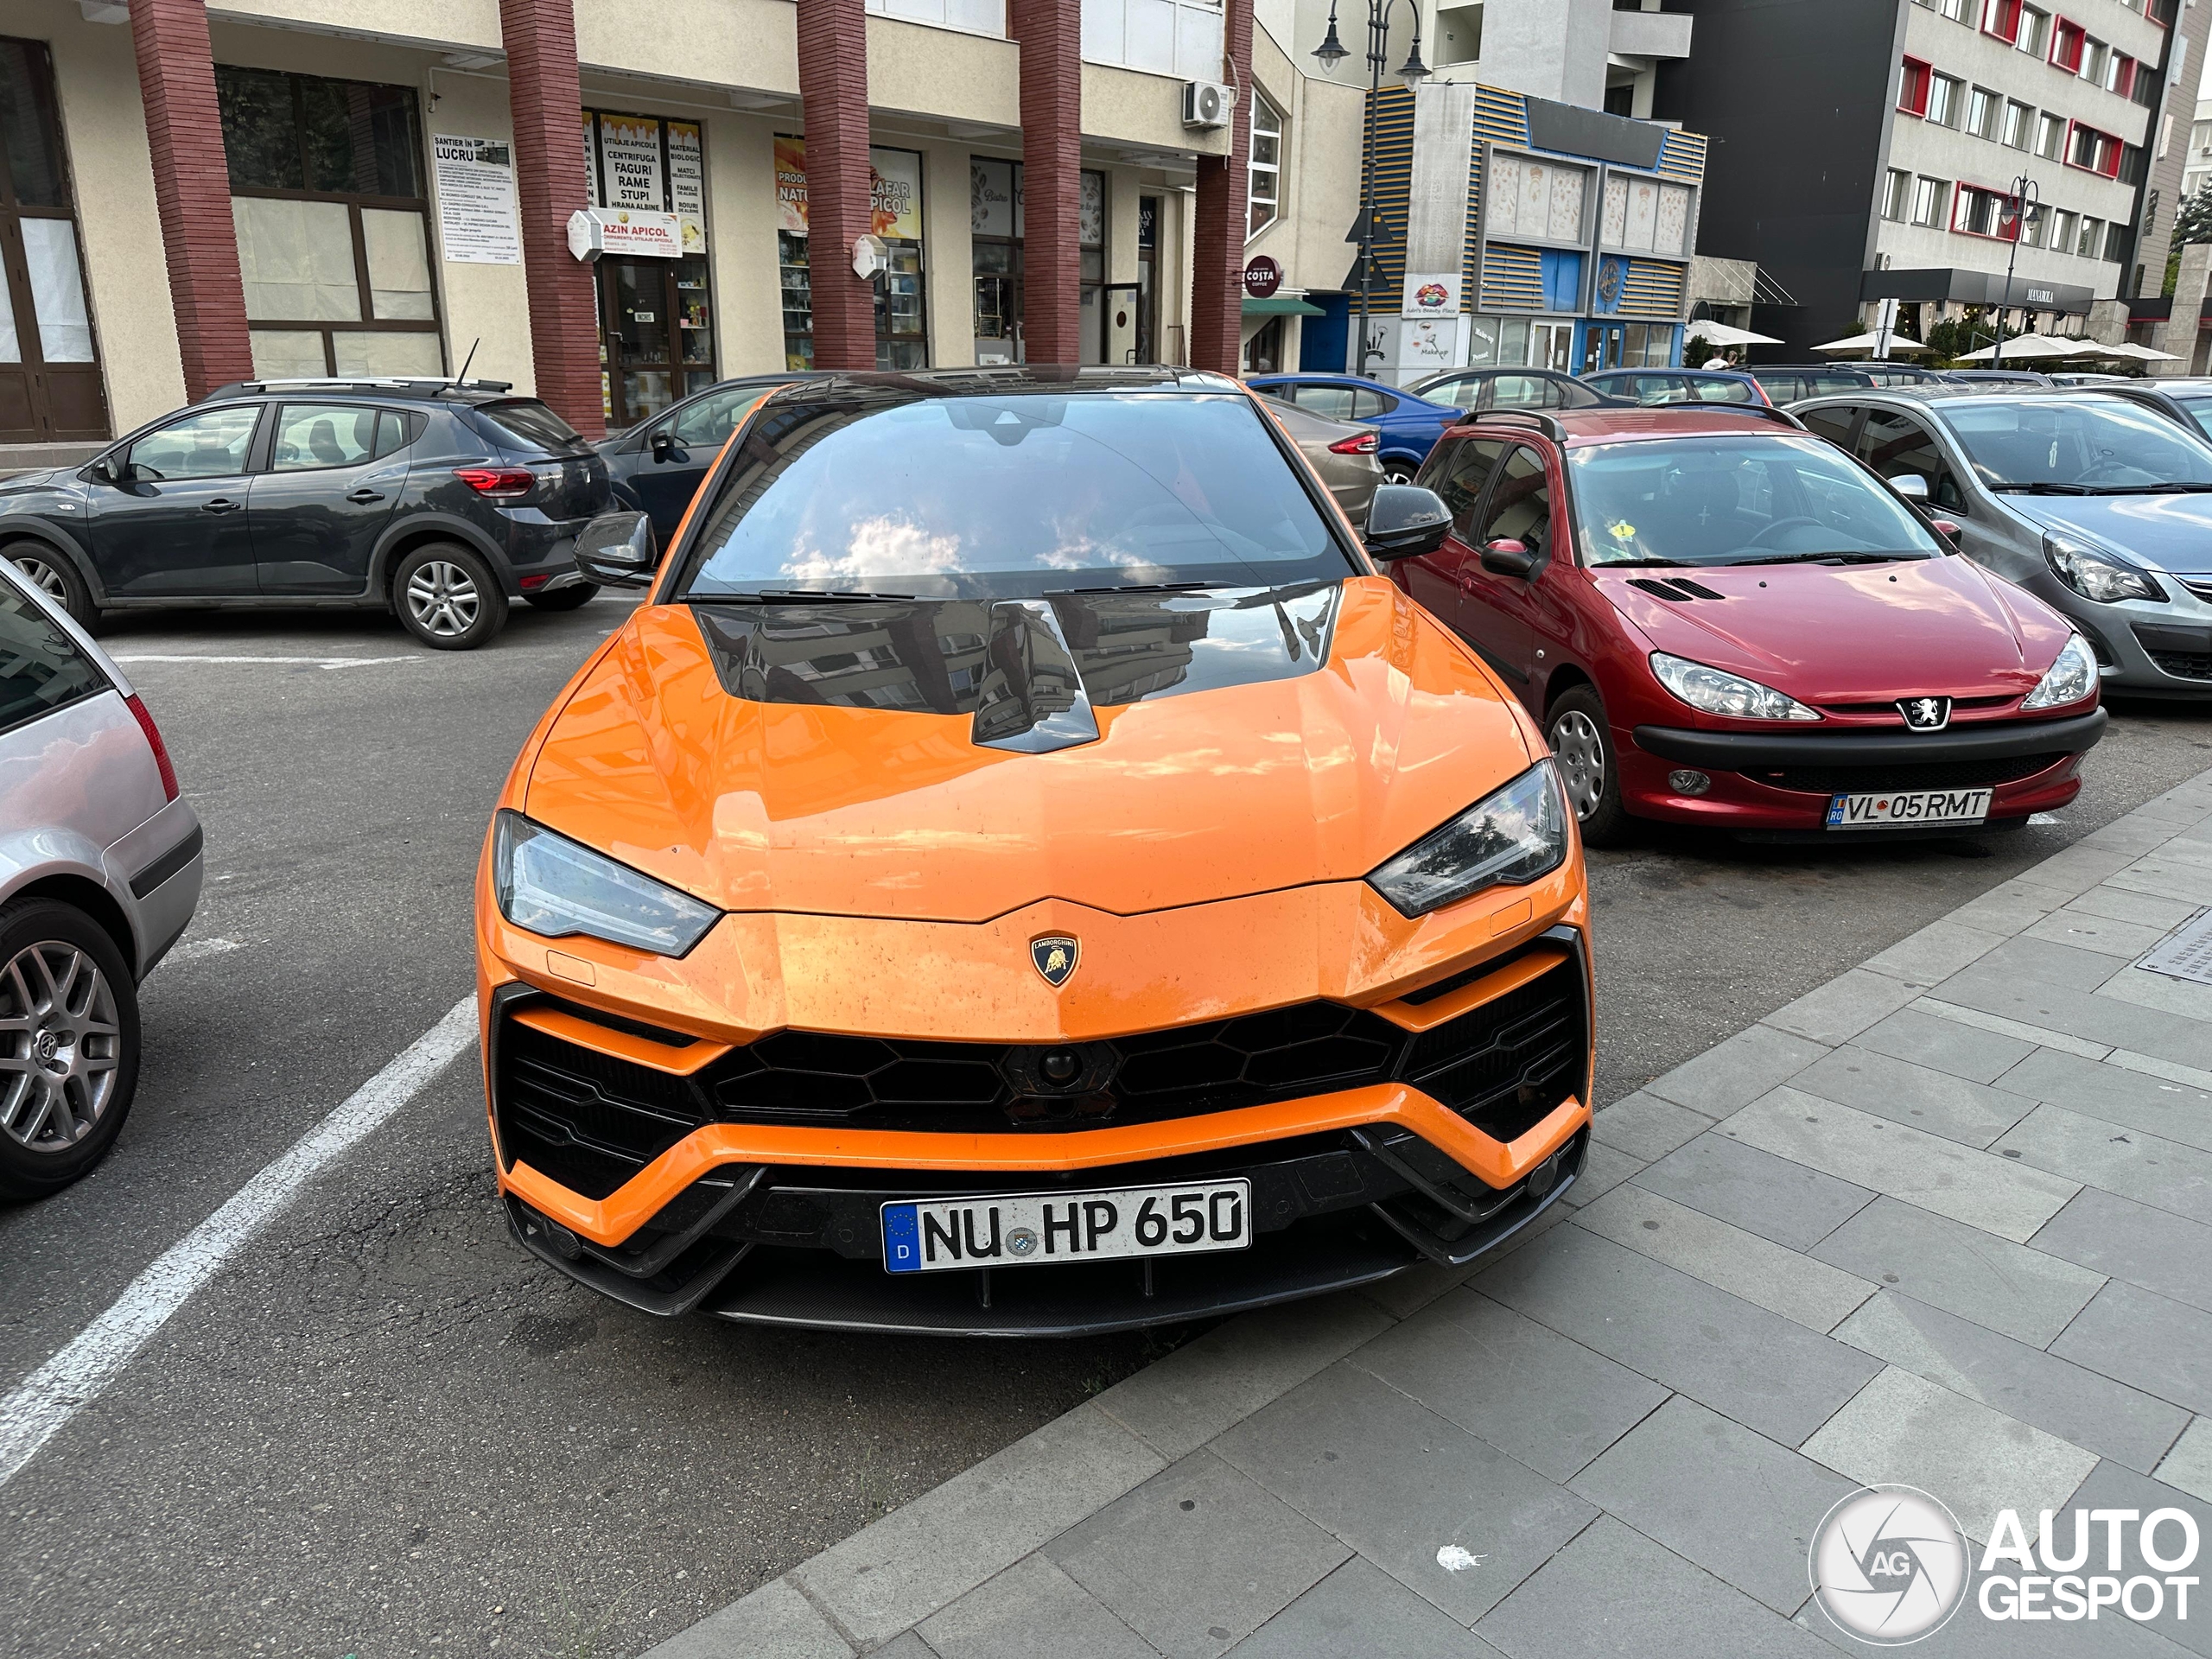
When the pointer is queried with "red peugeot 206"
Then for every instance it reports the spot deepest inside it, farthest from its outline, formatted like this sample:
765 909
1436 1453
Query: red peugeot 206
1720 618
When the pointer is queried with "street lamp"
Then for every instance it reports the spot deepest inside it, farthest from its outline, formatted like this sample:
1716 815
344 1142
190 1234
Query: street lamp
1330 53
2026 197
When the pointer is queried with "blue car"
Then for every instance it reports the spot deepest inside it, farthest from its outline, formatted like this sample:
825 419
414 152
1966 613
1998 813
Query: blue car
1409 426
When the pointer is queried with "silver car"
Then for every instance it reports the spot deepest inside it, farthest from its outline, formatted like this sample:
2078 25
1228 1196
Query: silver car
1343 452
99 872
2091 502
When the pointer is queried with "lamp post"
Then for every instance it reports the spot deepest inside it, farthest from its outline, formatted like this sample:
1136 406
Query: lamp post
2026 197
1330 53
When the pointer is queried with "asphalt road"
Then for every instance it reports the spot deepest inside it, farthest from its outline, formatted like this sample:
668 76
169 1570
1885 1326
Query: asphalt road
383 1431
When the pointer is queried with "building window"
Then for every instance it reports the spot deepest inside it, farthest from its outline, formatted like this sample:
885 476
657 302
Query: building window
2066 43
2097 152
2061 232
2019 122
1958 10
895 197
1263 179
2034 31
1912 87
1897 195
1929 197
2096 59
1982 108
1978 211
2038 227
2002 19
995 211
328 198
2051 137
1945 98
2132 162
2116 243
2089 240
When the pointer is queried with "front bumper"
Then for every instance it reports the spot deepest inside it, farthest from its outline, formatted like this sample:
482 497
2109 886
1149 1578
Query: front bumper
700 1176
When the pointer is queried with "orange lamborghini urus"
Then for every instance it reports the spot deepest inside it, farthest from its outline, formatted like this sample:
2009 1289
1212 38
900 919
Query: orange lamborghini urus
1024 873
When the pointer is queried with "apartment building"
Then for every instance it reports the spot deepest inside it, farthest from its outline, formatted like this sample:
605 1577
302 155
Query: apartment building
2196 167
1897 182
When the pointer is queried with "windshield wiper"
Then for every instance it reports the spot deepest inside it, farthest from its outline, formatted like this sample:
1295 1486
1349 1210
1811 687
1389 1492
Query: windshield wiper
1617 564
788 596
2042 488
1823 558
2149 489
1138 587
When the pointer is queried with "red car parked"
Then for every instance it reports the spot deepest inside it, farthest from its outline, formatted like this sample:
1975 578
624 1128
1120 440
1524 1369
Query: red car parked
1720 618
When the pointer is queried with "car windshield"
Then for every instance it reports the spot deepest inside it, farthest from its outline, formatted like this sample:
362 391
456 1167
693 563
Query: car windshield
2200 410
1748 500
1006 497
2078 446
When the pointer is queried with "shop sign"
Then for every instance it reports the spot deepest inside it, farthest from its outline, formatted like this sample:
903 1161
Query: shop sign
687 183
629 152
894 190
993 199
477 221
1434 294
591 160
650 167
634 232
1262 276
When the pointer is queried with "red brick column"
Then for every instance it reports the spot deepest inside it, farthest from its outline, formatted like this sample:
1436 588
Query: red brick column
1217 258
547 103
1051 34
192 189
839 204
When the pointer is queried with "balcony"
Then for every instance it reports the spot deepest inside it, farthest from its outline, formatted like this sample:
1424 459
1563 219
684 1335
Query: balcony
1180 38
1650 34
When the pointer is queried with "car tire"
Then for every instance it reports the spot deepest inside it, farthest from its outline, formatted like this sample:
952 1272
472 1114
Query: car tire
1589 770
55 576
67 1076
573 597
447 597
1398 472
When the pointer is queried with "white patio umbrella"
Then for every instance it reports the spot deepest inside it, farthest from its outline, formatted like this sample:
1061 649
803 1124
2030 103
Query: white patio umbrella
1722 334
1864 345
2032 349
2130 352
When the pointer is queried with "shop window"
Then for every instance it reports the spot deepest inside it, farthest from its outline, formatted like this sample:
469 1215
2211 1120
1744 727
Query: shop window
1263 352
50 384
901 308
1912 87
329 206
1263 179
656 311
995 212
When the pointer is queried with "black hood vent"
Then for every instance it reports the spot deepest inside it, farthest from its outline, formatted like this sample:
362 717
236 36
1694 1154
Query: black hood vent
1681 589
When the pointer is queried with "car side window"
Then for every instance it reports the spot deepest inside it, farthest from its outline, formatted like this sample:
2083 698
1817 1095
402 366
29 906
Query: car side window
394 433
1833 424
708 422
1517 392
1520 508
1460 480
313 436
1366 405
1722 391
1333 403
1892 444
41 668
210 444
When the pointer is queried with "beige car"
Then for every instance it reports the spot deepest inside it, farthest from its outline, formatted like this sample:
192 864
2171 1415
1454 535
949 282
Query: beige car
1343 452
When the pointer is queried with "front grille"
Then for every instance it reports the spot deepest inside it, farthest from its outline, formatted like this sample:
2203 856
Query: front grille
1891 706
2184 652
2201 586
591 1120
1936 775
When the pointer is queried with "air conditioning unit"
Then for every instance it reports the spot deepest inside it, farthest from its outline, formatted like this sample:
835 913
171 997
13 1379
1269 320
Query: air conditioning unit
1207 103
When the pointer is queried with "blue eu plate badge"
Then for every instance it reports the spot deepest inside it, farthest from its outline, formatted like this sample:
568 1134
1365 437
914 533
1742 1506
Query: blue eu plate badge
902 1246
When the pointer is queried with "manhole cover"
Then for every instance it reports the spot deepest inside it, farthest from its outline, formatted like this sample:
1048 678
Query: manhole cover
2185 953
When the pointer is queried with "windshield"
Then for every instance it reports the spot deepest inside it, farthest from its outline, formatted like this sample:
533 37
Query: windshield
2086 446
1749 499
1008 497
2200 410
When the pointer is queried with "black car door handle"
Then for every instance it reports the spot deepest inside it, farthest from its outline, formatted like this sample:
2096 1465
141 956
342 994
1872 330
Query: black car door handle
365 495
220 504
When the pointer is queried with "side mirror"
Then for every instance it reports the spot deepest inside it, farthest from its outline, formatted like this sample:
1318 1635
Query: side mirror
1949 532
1405 521
616 548
1509 558
664 445
1912 485
108 469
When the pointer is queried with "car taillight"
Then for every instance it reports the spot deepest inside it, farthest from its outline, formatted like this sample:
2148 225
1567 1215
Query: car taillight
1366 444
161 749
498 483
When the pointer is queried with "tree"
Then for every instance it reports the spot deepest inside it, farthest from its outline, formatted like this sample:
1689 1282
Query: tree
2194 222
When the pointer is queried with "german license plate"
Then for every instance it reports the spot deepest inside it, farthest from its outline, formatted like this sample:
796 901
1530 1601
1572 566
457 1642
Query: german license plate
1035 1229
1908 806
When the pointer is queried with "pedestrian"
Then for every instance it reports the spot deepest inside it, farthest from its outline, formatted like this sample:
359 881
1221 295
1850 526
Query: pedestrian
1716 361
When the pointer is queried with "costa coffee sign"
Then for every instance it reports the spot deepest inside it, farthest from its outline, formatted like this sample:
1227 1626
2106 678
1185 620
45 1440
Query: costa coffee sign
1262 276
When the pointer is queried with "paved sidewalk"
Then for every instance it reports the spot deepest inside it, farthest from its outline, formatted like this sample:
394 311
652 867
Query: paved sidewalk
1946 1221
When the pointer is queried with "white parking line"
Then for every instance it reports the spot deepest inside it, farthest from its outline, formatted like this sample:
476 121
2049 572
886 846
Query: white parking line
78 1375
318 662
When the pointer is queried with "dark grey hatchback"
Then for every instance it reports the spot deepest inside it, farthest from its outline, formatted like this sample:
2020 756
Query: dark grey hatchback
438 499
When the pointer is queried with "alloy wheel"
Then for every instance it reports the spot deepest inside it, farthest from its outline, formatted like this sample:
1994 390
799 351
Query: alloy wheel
49 581
443 598
60 1044
1579 748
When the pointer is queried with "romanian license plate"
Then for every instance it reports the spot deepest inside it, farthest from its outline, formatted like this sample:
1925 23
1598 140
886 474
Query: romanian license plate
1030 1229
1908 806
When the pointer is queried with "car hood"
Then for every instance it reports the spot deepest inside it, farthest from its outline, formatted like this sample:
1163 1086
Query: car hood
1848 633
1307 739
2173 532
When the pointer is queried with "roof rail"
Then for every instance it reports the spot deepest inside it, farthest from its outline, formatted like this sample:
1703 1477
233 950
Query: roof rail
1547 425
421 384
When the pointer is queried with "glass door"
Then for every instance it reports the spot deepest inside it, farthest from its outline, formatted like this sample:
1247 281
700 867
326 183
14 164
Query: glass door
50 384
1601 347
657 326
1123 320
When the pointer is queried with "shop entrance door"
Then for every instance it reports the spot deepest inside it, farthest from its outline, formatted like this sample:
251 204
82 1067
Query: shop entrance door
50 385
1121 317
657 328
1601 347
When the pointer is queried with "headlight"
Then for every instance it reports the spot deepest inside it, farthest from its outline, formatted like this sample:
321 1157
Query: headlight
1719 692
2096 575
551 886
1509 838
2072 678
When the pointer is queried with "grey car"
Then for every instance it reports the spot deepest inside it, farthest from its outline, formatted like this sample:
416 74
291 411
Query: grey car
2092 503
99 872
1343 452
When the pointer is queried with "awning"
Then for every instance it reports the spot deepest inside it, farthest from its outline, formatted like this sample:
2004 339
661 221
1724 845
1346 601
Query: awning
1281 305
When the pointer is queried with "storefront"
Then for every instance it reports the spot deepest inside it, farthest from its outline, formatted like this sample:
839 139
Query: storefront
895 194
50 382
1114 326
329 197
656 315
